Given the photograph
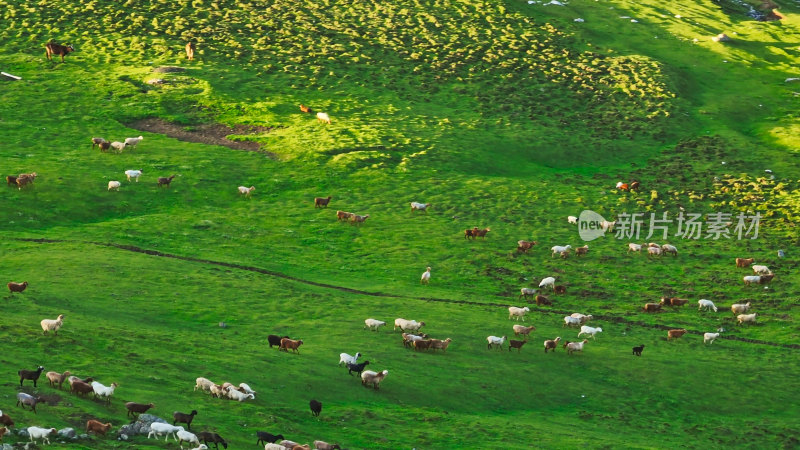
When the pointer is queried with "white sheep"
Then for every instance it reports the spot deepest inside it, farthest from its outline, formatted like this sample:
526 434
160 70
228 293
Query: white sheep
118 146
549 281
415 206
323 117
494 340
407 325
708 338
203 383
375 378
761 270
572 220
516 313
133 141
575 346
163 429
133 174
705 305
246 190
104 391
52 324
653 251
233 394
667 248
216 390
247 389
608 226
740 308
582 317
373 324
742 318
634 247
752 279
114 185
426 276
271 446
40 433
187 436
346 359
590 331
562 250
570 321
408 339
526 292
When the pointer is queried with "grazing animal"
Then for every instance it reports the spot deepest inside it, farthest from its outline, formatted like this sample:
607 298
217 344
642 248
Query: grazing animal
742 318
165 181
375 378
652 307
516 344
673 301
322 445
137 408
675 334
272 446
708 338
638 350
422 344
190 48
178 416
6 420
409 339
407 325
575 346
134 141
654 251
17 287
426 276
118 146
27 399
51 48
478 233
373 324
207 436
705 305
266 438
570 321
591 331
551 344
582 317
357 368
322 202
133 174
523 330
526 292
187 436
30 375
306 109
11 180
761 270
744 262
634 247
80 387
97 427
572 219
274 339
104 391
740 308
750 279
671 249
40 433
415 206
524 246
316 407
3 431
25 179
203 383
236 394
287 344
494 340
96 141
57 378
559 289
516 313
323 117
560 250
114 185
163 429
355 218
634 186
104 146
246 191
549 281
582 250
542 300
440 344
52 324
344 215
348 359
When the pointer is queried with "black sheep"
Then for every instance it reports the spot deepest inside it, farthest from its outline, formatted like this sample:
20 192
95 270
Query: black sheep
264 437
184 418
358 368
638 350
316 407
30 375
274 339
207 436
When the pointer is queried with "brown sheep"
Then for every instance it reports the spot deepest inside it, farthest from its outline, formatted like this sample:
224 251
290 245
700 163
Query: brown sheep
634 186
11 180
137 408
104 146
81 388
516 344
551 344
673 301
481 233
96 427
440 344
560 289
652 307
165 181
524 246
57 378
320 202
6 420
675 334
306 109
287 344
56 49
190 48
470 233
582 250
25 178
744 262
97 141
764 279
356 219
3 431
17 287
523 330
542 300
343 215
422 344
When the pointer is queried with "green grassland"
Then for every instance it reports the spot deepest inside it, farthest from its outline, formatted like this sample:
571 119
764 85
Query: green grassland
502 114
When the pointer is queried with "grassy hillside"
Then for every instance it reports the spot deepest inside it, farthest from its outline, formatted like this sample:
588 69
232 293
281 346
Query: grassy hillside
508 115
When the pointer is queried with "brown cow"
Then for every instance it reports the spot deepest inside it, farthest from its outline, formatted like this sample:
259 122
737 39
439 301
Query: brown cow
675 334
190 48
56 49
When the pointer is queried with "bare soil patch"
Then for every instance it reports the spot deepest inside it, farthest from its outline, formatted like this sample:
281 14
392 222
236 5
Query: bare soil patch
212 133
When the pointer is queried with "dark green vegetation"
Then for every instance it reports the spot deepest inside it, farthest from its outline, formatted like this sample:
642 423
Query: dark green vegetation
500 114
